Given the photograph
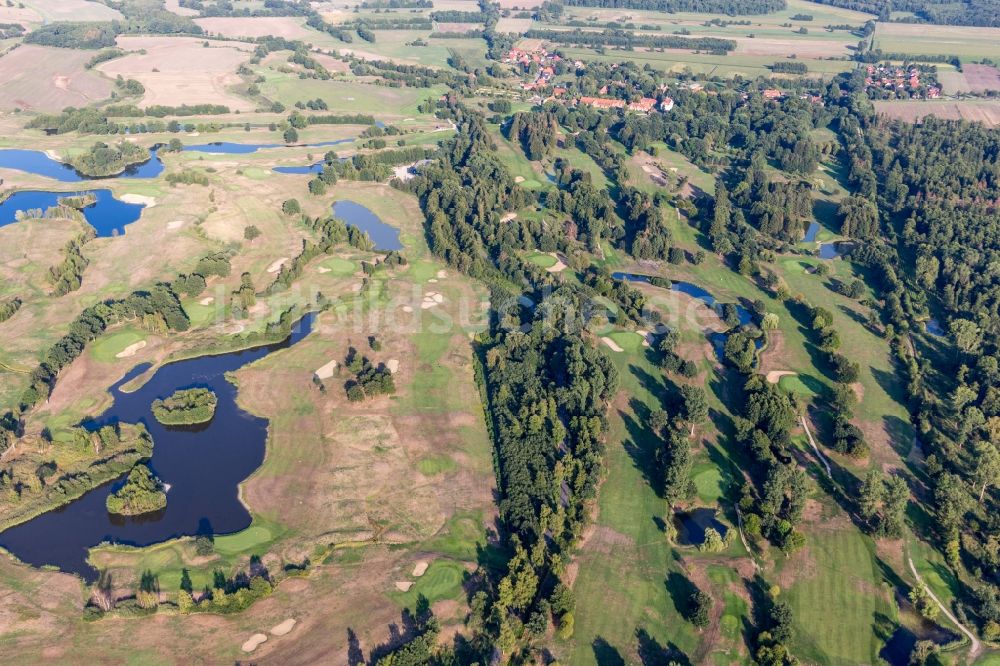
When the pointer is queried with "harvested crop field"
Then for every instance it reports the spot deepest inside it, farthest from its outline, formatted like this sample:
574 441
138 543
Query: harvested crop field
802 48
288 27
72 10
179 70
981 77
514 25
984 111
40 78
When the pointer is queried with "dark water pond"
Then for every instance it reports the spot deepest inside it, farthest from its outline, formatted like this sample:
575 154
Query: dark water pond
934 327
717 339
310 168
203 465
691 526
37 162
811 232
834 249
109 216
385 237
232 148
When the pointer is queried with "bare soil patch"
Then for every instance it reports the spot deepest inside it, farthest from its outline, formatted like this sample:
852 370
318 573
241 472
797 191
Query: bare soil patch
981 77
180 70
288 27
40 78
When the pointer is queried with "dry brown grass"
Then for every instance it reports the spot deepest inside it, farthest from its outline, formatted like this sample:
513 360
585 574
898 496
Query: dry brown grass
984 111
180 70
288 27
40 78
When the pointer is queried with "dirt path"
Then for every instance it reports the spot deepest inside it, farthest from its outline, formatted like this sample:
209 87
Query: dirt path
812 442
977 647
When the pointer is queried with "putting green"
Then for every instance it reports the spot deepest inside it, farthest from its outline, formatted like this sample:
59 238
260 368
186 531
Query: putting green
248 538
627 340
803 385
340 266
543 260
106 347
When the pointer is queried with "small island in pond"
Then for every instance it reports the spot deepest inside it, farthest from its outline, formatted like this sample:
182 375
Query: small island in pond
142 493
186 407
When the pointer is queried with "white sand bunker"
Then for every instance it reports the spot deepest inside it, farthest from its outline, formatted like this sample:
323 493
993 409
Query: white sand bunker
404 585
283 628
507 217
322 269
420 569
431 298
53 155
407 308
176 224
393 365
131 349
647 338
276 265
441 274
326 371
253 642
560 264
208 300
519 179
612 345
148 202
432 280
775 376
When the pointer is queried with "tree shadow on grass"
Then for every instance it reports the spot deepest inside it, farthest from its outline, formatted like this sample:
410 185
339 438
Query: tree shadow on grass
606 654
642 445
680 590
651 653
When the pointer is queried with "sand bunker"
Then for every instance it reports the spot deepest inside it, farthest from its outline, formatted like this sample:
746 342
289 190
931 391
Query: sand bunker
404 585
276 265
176 224
326 371
647 338
208 300
148 202
253 642
131 349
519 179
560 264
322 269
441 274
775 376
612 345
407 308
509 216
420 569
432 280
431 298
283 628
393 365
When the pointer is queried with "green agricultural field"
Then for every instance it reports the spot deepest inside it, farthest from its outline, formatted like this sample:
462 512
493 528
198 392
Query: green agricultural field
921 39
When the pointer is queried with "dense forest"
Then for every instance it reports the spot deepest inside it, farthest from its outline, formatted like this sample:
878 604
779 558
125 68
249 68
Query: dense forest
966 12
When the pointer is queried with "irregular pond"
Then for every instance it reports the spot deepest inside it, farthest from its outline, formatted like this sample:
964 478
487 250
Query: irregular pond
811 232
39 163
311 168
717 339
107 215
385 236
691 526
835 249
232 148
203 466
